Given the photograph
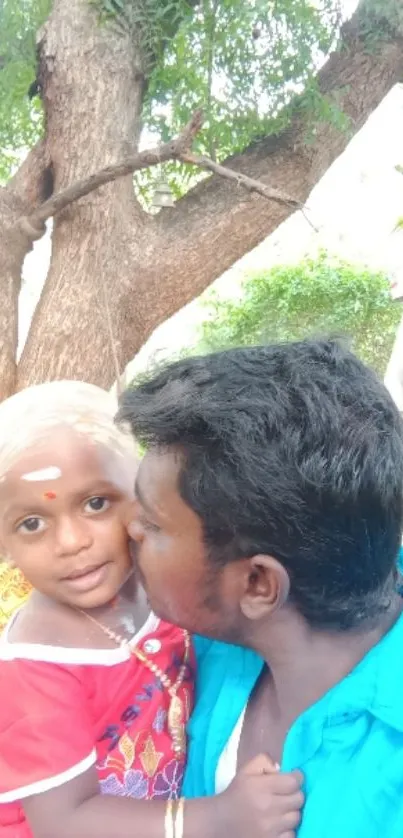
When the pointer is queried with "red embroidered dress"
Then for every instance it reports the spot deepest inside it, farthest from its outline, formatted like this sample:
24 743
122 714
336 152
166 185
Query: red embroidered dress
63 710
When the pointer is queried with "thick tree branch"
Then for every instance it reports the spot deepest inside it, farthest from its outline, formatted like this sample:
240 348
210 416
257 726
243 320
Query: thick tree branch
20 196
215 224
177 149
29 182
151 267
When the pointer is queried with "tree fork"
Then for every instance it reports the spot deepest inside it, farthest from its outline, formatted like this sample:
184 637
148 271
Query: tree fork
151 266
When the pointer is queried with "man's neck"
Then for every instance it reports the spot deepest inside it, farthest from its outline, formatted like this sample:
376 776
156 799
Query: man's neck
304 664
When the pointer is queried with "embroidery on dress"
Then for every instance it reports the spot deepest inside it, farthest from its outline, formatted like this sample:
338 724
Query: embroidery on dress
133 784
150 758
160 720
168 782
143 765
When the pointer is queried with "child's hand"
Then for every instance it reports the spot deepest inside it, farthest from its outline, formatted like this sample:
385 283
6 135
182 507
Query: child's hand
263 803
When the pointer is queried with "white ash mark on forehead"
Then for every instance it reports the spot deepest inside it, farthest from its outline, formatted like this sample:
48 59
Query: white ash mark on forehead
50 473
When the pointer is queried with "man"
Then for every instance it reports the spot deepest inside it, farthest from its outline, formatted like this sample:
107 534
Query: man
270 511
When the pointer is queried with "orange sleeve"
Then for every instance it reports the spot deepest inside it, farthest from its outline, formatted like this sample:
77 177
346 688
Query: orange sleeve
46 734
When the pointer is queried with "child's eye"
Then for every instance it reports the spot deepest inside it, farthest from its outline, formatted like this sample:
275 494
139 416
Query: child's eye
97 504
31 525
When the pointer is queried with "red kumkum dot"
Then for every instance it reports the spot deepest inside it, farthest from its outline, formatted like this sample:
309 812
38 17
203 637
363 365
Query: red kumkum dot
50 495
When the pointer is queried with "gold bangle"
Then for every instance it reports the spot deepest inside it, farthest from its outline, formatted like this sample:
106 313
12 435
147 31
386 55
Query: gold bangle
169 820
178 827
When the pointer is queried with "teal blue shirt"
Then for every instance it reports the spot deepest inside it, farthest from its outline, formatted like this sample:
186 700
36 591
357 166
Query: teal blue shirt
349 745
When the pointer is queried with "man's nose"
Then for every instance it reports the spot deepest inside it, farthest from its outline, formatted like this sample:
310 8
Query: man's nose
73 535
133 522
135 530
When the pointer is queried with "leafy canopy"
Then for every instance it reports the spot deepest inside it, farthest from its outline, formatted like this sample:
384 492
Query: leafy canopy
241 61
316 297
20 119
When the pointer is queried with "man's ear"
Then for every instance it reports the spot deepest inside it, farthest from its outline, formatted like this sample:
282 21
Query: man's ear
268 587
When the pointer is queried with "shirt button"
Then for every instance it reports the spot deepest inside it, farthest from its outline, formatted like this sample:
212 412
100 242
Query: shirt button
152 646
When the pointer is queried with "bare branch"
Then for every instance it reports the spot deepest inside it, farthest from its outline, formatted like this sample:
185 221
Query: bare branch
177 149
249 183
144 159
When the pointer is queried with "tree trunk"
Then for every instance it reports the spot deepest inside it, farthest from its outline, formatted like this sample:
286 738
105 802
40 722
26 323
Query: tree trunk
92 84
104 246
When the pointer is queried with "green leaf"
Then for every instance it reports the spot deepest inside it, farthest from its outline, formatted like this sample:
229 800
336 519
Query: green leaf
315 297
241 62
20 119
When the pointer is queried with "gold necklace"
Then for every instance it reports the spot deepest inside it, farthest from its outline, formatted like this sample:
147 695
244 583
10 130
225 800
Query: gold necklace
176 710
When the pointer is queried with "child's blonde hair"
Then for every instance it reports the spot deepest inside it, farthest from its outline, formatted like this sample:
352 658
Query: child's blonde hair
27 418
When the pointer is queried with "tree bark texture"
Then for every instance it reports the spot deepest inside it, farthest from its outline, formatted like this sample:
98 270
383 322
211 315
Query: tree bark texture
105 245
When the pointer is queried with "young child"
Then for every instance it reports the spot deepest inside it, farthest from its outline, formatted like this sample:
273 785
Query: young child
95 690
93 686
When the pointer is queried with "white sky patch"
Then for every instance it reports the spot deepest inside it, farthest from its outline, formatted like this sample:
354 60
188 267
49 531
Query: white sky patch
51 473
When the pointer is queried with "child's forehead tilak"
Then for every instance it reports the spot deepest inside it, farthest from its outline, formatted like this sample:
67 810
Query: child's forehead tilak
52 459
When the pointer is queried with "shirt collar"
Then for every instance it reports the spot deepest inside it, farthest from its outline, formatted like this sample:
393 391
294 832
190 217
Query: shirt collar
375 684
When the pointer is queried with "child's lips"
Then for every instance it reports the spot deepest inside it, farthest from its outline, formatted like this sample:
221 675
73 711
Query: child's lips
87 578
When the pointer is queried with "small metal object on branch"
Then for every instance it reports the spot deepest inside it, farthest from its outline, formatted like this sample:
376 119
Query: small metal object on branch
171 150
177 149
163 196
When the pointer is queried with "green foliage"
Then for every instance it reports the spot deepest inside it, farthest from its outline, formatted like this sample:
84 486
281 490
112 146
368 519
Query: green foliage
20 119
242 62
150 22
313 298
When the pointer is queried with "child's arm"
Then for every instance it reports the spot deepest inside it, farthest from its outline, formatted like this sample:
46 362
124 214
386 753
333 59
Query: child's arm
47 764
261 804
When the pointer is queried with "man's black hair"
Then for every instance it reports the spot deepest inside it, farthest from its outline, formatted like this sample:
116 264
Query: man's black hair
293 450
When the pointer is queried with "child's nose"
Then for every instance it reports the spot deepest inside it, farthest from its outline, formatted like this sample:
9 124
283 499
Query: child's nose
73 535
